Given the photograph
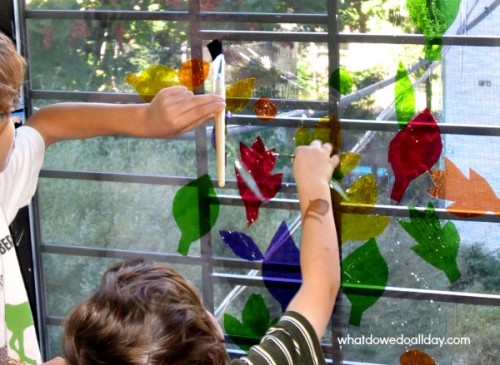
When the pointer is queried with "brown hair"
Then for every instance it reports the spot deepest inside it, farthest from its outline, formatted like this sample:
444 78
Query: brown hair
142 313
12 67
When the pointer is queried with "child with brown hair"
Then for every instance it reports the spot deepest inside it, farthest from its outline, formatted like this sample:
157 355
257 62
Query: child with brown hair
146 313
173 111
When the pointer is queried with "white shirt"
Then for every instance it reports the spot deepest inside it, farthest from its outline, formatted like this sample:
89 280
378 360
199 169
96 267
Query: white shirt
17 185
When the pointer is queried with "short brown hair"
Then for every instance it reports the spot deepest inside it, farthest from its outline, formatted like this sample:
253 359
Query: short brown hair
12 68
142 313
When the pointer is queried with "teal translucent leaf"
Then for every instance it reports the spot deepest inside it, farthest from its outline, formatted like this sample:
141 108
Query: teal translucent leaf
195 210
365 267
433 18
255 322
435 244
404 97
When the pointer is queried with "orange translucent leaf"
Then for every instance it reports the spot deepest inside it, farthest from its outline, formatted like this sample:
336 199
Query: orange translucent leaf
193 73
153 79
471 196
238 94
265 109
416 357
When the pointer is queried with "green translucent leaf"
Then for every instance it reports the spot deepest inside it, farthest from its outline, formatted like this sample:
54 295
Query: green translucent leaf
255 322
240 335
435 244
357 227
364 266
193 211
433 18
341 80
404 97
255 314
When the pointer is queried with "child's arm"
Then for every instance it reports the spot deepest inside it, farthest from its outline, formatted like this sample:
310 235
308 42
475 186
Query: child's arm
174 110
319 254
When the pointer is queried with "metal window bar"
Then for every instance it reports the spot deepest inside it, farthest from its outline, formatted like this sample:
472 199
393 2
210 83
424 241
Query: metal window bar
195 19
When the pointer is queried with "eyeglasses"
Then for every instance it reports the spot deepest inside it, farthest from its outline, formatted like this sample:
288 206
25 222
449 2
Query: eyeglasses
14 114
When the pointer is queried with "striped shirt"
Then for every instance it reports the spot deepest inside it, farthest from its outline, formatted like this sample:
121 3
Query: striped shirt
291 341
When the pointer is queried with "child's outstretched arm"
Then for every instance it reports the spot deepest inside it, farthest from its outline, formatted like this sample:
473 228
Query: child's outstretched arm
174 110
319 255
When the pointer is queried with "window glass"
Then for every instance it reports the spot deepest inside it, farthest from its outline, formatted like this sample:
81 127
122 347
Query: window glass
407 90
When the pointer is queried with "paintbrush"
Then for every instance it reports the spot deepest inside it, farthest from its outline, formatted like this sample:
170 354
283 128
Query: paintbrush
219 88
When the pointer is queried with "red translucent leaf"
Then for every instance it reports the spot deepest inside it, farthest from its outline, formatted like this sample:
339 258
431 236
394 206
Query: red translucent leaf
259 162
413 151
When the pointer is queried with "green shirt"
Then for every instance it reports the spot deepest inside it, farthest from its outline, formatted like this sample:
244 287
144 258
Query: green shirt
291 341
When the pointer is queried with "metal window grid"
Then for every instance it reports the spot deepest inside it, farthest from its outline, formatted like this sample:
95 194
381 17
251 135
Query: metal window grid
197 34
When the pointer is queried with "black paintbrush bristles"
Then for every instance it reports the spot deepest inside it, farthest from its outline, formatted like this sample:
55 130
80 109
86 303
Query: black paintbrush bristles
215 48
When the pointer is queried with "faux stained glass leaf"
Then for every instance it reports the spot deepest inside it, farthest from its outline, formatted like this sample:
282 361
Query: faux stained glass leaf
404 97
341 80
254 324
435 244
348 162
413 151
282 251
471 196
357 224
238 94
362 195
365 266
327 129
357 227
153 79
242 245
259 162
416 357
265 109
433 18
195 210
193 73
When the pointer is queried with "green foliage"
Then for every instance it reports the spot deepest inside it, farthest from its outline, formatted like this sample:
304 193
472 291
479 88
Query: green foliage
480 270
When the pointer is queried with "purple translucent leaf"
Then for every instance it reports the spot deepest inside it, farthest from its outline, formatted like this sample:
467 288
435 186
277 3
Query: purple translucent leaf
242 245
282 262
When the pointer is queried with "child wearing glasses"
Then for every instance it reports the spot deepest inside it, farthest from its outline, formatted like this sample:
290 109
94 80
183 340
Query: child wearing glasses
173 111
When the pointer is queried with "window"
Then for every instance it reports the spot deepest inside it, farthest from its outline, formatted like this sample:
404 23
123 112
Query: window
378 66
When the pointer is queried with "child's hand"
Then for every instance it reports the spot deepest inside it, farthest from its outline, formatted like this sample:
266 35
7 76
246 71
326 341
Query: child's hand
313 164
177 110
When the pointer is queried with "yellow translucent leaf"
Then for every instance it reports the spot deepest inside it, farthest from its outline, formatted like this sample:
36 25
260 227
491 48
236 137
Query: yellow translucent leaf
348 162
238 94
358 227
153 79
327 129
362 195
